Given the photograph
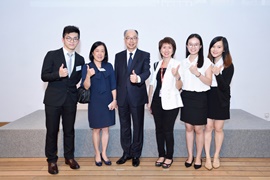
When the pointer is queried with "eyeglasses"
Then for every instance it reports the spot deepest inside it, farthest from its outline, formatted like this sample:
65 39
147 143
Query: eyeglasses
193 45
70 39
131 38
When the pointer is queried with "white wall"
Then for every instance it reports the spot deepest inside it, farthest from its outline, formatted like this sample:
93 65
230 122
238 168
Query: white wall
30 28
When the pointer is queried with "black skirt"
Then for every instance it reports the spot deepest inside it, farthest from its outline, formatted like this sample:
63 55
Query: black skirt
194 111
215 110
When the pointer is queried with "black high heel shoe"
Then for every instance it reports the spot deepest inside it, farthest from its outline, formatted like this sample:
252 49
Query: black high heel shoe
108 163
198 166
189 164
165 165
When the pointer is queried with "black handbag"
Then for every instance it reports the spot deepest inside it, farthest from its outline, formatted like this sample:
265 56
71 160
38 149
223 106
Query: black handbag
83 95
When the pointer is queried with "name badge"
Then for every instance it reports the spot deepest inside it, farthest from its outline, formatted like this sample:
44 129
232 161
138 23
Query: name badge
78 68
102 69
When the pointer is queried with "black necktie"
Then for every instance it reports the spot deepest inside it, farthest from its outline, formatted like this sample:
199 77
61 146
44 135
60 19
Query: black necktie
129 61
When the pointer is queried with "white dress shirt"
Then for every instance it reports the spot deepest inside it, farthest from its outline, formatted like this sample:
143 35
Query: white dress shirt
128 55
190 81
68 58
218 64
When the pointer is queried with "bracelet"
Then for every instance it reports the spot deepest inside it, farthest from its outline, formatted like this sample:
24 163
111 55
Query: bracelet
198 75
178 79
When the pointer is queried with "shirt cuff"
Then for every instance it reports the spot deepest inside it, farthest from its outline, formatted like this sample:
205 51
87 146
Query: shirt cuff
138 79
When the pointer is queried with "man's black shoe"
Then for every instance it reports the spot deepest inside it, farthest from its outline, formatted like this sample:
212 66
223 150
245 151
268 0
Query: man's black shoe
135 162
123 159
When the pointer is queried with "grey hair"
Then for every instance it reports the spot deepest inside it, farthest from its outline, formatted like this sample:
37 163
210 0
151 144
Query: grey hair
125 32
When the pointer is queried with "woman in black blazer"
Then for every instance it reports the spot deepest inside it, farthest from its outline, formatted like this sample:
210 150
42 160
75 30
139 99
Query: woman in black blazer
218 97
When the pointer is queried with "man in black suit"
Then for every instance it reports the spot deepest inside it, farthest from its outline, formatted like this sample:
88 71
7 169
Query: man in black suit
62 70
132 70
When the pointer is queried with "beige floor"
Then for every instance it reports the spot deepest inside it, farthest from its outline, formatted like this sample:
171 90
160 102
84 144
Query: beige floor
232 168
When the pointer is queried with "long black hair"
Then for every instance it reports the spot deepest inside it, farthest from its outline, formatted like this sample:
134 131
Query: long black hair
226 55
200 53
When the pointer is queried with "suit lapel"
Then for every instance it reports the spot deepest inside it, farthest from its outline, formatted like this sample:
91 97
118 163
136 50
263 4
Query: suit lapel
75 64
62 56
62 60
124 63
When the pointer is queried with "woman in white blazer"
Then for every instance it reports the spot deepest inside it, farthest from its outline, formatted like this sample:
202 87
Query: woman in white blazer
165 100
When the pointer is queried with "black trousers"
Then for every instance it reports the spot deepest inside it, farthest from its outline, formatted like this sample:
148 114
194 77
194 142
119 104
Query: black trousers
131 142
164 121
53 114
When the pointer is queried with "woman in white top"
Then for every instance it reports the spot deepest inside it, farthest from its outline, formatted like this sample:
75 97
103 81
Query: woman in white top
165 100
196 75
218 97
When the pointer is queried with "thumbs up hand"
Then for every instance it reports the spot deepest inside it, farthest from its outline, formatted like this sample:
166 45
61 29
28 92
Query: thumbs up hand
216 70
63 72
90 71
175 72
133 77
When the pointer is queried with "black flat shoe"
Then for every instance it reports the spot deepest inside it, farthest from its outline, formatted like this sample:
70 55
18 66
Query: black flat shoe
165 165
198 166
158 164
108 163
189 164
98 163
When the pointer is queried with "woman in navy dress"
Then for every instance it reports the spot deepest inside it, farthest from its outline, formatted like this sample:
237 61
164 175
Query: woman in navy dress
98 75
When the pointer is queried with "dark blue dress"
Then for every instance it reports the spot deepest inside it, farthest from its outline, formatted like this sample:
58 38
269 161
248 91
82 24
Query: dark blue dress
102 84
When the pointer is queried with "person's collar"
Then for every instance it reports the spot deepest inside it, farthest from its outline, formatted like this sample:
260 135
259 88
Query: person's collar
66 51
219 62
194 61
133 52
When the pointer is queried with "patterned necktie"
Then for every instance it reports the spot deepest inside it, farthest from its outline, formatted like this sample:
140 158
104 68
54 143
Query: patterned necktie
69 64
129 61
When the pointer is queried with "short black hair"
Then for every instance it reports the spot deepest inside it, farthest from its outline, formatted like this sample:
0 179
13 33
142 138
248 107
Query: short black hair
71 29
167 40
94 46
